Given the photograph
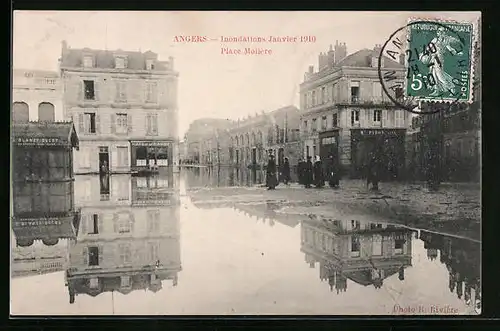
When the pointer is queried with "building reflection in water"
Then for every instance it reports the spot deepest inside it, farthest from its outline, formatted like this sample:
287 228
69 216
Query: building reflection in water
364 252
223 176
43 212
129 242
462 259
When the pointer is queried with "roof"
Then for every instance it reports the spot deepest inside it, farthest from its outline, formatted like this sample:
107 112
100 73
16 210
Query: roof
363 57
48 229
105 59
45 134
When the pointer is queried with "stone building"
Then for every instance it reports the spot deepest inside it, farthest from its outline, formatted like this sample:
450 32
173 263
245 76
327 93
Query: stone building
346 113
364 252
124 106
36 96
128 240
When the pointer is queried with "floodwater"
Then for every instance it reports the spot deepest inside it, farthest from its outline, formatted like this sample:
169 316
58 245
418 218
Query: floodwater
144 248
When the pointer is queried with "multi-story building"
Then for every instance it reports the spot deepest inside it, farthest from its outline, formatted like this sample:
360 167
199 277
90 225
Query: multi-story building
124 106
129 239
346 113
43 182
36 96
364 252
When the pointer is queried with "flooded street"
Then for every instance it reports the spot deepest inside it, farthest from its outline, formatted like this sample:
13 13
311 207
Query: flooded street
165 245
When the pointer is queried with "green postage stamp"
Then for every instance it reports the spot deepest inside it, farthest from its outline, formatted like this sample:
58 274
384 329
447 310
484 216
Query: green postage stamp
439 61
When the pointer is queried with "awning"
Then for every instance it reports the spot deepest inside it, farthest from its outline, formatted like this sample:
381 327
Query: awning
41 134
49 228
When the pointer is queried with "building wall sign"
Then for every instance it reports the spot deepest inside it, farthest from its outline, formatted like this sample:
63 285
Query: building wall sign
151 143
39 141
329 140
400 236
26 222
375 132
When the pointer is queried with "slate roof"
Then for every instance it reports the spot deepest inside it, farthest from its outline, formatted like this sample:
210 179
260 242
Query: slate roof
64 133
363 58
105 59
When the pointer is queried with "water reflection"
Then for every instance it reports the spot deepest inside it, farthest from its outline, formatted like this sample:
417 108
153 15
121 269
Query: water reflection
223 176
129 241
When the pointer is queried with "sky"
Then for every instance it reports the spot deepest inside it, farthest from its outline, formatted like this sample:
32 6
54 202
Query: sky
212 84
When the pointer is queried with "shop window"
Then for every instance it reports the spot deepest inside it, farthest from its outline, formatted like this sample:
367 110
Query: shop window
20 112
88 89
162 156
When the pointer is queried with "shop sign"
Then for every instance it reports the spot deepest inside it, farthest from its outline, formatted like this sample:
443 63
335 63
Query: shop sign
152 201
399 236
151 143
329 140
36 222
30 141
374 132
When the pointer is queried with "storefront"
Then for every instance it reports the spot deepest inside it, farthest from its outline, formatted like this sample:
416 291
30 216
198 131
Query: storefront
151 154
386 145
329 145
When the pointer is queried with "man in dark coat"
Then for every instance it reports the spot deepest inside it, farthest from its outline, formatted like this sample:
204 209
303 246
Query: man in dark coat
300 171
271 179
285 171
332 172
373 172
319 178
308 173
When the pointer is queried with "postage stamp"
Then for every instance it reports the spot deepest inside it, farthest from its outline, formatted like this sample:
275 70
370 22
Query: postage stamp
439 61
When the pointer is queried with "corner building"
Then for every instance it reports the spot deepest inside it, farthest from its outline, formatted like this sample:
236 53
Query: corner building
346 113
124 107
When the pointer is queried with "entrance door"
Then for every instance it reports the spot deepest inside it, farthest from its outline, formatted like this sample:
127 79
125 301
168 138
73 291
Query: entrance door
281 157
254 156
103 160
237 156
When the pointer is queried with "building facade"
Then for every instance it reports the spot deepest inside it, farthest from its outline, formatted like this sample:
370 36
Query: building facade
364 252
36 96
128 239
124 106
43 207
345 112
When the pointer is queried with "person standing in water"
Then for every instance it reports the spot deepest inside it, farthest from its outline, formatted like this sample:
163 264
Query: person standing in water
285 171
308 173
271 179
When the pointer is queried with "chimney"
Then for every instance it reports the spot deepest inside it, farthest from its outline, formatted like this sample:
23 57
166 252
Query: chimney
331 57
321 61
375 56
340 51
377 49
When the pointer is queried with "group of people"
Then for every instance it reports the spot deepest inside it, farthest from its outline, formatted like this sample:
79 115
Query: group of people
273 177
317 173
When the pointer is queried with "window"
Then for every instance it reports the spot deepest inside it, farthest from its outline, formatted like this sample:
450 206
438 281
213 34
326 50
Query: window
88 61
46 112
122 155
150 64
314 150
152 124
20 112
153 221
304 101
123 223
354 117
125 253
398 246
153 252
307 151
151 92
125 281
120 62
355 246
399 118
377 91
121 123
94 283
121 95
323 92
377 115
88 89
93 256
306 129
313 98
324 123
94 226
89 123
320 97
356 225
398 92
334 120
354 92
314 125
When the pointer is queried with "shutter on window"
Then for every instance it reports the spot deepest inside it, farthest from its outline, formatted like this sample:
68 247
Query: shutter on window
97 123
80 90
113 123
129 123
115 223
97 92
148 120
384 116
100 222
85 254
84 221
101 254
81 128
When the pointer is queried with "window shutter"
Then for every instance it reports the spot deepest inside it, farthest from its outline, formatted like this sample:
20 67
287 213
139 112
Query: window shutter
132 222
97 92
113 123
80 90
84 221
100 223
148 121
85 254
81 128
101 254
97 123
115 222
129 123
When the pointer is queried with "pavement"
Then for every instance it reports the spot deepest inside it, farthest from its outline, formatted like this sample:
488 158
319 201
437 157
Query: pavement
455 209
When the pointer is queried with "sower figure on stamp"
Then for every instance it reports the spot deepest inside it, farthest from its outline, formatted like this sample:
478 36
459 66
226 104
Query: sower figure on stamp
271 179
308 173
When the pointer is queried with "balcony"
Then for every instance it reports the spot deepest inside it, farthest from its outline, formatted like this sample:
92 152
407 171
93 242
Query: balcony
355 99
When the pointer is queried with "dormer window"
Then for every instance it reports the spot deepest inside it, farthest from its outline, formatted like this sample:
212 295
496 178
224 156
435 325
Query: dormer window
120 62
150 65
88 61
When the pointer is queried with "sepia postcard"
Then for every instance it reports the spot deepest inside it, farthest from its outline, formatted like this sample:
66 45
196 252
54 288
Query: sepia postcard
245 163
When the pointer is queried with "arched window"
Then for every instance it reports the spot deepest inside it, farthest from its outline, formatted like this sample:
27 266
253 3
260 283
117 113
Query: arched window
260 137
20 112
50 242
46 112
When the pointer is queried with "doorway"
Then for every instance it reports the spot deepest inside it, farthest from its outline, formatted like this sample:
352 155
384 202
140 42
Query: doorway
103 160
254 156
